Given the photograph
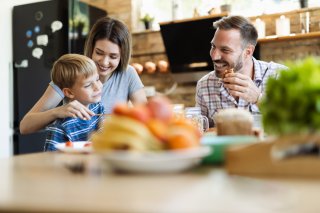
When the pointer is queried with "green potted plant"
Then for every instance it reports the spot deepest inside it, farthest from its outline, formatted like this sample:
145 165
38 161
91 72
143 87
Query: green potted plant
291 108
147 19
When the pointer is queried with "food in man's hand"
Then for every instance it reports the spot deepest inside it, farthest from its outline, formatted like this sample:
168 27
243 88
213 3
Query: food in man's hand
227 72
234 121
150 127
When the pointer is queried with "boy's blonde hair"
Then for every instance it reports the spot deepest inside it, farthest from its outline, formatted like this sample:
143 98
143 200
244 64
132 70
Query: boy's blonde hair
69 67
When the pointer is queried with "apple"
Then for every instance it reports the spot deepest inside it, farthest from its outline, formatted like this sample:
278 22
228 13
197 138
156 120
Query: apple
140 113
121 109
160 108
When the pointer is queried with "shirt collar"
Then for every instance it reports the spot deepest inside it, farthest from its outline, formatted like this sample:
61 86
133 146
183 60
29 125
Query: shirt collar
257 69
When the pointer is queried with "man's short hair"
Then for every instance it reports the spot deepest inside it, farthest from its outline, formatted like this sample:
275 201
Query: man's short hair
247 31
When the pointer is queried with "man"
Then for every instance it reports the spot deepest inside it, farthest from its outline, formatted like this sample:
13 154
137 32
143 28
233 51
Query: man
238 79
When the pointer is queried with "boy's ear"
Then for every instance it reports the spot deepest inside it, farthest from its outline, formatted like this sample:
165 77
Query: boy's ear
68 93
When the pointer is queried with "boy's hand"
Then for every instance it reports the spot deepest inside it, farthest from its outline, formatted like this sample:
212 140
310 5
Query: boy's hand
74 109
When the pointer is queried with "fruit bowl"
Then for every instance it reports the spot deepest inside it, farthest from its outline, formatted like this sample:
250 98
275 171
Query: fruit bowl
155 162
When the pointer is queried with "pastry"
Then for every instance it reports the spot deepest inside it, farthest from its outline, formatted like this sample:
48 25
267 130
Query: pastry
227 71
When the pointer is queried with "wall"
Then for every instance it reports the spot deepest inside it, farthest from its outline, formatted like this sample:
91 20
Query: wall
115 8
290 49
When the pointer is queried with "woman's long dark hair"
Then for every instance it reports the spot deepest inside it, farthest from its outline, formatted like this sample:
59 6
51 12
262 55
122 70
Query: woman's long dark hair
115 31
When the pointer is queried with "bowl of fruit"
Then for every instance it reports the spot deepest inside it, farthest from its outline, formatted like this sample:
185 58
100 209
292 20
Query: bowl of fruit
148 138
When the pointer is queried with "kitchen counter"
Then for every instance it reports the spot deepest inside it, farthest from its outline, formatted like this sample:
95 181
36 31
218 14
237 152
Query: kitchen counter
41 183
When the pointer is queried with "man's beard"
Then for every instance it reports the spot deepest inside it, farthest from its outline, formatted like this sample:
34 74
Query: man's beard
236 67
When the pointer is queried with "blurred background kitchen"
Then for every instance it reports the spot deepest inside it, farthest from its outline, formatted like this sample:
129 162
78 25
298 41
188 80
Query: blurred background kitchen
288 30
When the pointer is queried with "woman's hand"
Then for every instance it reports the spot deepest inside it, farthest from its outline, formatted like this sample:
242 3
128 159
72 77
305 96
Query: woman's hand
45 111
74 109
240 85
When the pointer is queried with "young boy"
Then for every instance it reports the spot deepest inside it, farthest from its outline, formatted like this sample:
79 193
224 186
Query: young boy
78 78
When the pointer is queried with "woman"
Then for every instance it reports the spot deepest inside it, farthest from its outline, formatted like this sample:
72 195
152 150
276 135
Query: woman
109 46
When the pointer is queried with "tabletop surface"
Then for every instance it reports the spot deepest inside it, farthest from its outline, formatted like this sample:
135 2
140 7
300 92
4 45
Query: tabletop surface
42 183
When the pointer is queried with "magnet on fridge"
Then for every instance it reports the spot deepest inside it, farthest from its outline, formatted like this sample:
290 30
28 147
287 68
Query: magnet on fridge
37 52
36 29
30 43
42 40
56 25
29 34
24 64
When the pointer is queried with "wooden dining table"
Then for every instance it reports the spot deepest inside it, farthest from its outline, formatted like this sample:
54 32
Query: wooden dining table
52 182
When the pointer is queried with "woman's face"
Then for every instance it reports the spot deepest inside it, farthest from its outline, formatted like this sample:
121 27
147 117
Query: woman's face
106 55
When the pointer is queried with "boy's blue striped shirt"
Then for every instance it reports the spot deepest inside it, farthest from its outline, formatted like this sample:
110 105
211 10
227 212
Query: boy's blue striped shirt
73 129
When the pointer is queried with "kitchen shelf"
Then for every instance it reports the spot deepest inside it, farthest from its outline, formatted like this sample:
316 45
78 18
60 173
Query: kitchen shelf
289 37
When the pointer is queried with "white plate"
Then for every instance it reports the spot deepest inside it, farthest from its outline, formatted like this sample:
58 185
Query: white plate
78 147
156 162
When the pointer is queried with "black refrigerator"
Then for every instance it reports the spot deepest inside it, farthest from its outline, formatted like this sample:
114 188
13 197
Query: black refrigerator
42 32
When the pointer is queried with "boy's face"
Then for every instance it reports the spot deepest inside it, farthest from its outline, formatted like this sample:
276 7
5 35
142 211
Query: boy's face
85 90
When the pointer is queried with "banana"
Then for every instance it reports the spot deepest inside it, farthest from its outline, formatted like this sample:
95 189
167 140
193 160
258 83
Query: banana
120 132
120 141
123 123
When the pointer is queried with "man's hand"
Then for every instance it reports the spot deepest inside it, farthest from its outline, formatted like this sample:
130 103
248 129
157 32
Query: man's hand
242 86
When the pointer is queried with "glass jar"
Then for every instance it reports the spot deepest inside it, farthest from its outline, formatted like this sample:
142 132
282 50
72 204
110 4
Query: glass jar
200 121
178 111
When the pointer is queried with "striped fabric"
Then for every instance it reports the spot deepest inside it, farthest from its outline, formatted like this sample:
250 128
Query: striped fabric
73 129
211 95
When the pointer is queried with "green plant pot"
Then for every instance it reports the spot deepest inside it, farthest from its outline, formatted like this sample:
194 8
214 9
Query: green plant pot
147 25
219 144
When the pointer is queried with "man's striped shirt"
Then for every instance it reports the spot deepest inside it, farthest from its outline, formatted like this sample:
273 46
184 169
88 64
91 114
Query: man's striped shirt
211 95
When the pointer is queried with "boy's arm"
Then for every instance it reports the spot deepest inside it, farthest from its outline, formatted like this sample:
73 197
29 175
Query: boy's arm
55 135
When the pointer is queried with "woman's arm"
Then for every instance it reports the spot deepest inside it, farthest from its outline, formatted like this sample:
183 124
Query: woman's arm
137 94
45 111
138 97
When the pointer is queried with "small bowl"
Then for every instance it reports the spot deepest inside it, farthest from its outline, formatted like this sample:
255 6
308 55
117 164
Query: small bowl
220 143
